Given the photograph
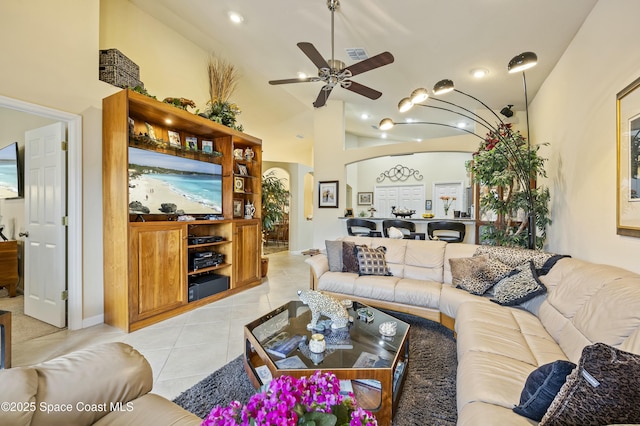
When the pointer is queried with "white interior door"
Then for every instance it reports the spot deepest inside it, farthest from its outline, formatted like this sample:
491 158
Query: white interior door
45 274
447 189
409 197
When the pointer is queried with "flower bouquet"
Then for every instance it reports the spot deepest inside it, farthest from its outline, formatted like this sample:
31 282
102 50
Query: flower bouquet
314 400
446 203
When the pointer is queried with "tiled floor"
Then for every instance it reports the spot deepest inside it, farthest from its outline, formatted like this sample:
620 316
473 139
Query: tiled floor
185 349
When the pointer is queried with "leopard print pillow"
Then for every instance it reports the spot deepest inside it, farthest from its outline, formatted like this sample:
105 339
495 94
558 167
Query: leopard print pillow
476 274
603 390
520 285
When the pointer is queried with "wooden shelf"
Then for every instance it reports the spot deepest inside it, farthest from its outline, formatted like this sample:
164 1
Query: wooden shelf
146 275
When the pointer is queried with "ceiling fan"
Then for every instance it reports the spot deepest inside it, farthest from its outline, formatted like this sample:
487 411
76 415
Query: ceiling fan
332 72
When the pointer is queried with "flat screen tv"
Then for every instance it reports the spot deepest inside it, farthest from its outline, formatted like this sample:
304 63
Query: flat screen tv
10 176
168 184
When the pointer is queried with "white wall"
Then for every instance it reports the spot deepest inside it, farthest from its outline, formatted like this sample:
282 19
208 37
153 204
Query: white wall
575 111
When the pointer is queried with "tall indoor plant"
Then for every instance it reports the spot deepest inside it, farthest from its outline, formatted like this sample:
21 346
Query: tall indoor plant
275 200
508 167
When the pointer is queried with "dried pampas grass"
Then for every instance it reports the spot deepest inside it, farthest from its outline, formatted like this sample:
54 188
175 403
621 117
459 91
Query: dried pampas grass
223 79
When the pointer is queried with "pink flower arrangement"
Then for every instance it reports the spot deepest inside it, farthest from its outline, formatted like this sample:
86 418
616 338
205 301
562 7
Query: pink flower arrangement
289 401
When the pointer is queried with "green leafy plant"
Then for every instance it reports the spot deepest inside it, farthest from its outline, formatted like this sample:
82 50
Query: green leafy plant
275 199
506 167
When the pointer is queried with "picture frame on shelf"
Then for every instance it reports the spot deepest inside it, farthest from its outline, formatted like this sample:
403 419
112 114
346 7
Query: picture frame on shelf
428 205
243 170
151 132
238 184
328 194
192 143
365 198
238 207
207 147
174 139
628 158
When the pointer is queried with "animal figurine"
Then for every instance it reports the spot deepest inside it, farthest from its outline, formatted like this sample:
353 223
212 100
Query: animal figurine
180 102
321 304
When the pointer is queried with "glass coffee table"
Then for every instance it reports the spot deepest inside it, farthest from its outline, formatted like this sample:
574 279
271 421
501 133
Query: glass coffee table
373 366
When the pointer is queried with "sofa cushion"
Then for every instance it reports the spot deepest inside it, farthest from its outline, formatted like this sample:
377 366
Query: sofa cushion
349 257
19 387
418 293
541 388
518 287
150 409
371 261
603 389
337 282
376 287
334 255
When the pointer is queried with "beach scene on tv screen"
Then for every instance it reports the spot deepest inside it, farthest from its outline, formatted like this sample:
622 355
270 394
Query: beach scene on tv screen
168 184
8 173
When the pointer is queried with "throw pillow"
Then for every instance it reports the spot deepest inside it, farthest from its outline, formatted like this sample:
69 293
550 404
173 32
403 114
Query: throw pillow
519 286
372 261
349 258
395 233
541 388
602 390
334 255
476 274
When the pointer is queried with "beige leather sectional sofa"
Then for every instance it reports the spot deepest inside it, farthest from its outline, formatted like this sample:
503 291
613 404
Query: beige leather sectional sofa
106 384
498 346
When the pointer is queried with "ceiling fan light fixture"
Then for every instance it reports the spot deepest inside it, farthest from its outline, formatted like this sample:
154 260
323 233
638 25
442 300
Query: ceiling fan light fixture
386 124
522 62
443 86
405 105
419 95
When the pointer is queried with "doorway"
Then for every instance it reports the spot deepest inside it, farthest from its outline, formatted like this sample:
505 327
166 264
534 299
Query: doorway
73 255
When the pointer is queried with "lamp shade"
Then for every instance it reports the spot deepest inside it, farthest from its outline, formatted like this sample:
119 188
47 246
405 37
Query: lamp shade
386 124
419 95
522 62
443 86
405 105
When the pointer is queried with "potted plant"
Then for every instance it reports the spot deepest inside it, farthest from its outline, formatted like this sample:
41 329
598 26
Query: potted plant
275 200
223 79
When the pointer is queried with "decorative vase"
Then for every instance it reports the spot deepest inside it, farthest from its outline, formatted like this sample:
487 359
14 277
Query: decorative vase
446 211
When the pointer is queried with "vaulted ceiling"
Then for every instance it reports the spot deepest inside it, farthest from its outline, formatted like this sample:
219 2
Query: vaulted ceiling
429 39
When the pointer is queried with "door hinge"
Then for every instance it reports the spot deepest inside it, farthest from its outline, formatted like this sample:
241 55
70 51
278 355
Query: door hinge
65 220
64 295
63 145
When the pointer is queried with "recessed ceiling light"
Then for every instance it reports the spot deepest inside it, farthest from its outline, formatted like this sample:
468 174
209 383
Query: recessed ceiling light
461 125
383 136
236 18
302 75
479 72
300 136
364 116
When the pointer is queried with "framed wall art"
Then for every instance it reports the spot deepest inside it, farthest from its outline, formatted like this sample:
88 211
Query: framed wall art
238 207
628 141
328 194
365 198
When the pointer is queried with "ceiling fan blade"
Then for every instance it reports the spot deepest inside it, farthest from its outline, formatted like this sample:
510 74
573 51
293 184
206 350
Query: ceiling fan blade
313 54
361 89
381 59
321 100
294 80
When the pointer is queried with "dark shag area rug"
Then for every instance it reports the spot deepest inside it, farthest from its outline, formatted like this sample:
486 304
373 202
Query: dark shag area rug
428 396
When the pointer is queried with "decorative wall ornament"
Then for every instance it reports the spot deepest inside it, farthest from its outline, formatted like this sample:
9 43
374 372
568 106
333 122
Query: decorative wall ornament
399 173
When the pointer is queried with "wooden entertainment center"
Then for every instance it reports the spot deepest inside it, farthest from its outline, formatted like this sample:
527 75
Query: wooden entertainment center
148 258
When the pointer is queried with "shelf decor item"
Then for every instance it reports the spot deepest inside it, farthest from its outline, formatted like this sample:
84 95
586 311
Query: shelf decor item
288 400
223 80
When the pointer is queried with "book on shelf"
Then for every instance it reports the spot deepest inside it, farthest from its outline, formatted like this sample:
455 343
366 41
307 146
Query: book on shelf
174 138
264 374
192 143
283 344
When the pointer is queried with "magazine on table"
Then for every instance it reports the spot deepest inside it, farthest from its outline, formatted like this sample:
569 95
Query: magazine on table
369 360
291 363
282 344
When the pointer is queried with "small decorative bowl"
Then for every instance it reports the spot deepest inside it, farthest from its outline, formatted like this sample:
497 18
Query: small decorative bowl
388 328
